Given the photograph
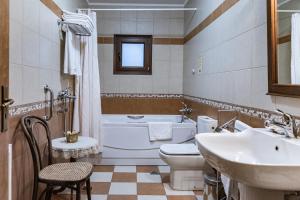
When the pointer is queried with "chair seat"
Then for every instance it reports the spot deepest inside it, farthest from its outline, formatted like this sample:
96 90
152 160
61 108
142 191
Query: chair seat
66 172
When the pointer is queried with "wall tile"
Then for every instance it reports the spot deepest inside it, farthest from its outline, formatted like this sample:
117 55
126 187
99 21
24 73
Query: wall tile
260 50
111 26
15 42
31 85
161 27
161 52
15 83
46 57
145 16
145 27
16 10
128 27
176 27
31 14
30 48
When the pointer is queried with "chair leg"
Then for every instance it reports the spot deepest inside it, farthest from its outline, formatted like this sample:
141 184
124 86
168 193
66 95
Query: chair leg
78 191
48 193
88 189
35 191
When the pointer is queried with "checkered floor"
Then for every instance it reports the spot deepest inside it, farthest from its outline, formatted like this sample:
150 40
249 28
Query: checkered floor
133 183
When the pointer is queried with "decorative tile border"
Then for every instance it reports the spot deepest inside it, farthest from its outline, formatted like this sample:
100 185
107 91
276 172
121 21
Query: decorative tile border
252 112
27 108
128 95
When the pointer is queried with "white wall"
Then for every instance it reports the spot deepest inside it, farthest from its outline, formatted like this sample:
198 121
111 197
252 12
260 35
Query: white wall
234 50
167 62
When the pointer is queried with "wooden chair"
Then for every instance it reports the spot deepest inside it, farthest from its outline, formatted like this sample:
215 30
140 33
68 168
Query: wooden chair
65 175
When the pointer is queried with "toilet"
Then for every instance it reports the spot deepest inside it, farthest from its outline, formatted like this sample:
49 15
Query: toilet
185 160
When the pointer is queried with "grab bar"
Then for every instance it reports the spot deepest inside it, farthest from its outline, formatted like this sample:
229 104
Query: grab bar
48 89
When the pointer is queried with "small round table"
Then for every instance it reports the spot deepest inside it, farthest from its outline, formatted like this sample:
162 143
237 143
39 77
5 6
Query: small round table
82 148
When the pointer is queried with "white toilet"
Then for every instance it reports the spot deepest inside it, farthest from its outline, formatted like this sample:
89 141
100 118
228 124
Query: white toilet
185 160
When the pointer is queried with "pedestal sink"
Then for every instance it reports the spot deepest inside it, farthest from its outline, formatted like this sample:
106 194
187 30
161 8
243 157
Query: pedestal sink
265 164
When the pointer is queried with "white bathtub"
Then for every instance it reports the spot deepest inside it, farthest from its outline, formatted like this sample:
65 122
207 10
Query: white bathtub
126 141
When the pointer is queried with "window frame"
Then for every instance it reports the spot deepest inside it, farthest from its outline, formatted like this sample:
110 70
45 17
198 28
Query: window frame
144 70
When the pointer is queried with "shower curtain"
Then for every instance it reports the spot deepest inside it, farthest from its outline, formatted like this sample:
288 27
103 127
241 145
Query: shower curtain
87 107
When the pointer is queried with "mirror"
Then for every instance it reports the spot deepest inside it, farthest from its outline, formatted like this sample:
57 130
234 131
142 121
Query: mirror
284 47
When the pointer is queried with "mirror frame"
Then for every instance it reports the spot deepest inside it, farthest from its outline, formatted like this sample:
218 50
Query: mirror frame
274 88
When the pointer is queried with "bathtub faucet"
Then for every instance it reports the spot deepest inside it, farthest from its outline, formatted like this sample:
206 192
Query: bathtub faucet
185 111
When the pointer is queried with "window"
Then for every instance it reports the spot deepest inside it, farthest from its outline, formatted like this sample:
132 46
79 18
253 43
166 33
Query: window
133 54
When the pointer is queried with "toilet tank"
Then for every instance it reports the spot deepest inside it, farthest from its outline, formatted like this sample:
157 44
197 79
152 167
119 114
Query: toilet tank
206 124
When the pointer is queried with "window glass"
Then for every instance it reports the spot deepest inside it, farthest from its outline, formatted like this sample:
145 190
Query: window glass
133 55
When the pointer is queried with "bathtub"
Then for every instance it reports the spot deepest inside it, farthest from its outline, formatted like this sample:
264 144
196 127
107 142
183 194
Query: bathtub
126 139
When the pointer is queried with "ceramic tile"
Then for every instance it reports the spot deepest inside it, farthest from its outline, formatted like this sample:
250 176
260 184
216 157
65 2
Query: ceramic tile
164 169
125 169
103 168
151 197
146 168
148 178
31 14
100 188
183 197
94 197
122 197
170 191
16 10
101 177
30 48
150 189
124 177
15 42
123 189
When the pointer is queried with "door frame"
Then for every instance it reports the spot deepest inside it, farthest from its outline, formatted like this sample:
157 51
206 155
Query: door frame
4 46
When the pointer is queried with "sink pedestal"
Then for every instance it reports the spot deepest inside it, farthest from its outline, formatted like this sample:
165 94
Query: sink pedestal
251 193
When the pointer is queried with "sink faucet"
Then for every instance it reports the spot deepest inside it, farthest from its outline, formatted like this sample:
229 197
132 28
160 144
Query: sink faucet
288 125
185 111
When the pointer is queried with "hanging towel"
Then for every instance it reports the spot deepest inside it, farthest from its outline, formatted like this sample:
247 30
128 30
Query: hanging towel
295 51
72 61
80 19
160 131
72 64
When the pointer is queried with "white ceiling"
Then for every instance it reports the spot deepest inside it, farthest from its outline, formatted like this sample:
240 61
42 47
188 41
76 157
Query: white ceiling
164 3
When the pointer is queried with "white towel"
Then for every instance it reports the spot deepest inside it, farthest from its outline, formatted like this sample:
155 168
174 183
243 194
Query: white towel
78 18
72 65
160 131
295 43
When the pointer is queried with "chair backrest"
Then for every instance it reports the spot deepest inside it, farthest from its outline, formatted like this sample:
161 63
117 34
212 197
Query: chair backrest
28 124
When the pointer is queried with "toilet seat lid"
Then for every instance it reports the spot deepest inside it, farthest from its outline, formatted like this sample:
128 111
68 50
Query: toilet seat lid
179 149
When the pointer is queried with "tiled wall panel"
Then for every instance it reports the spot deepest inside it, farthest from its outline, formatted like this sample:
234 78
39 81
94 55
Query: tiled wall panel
167 61
35 52
234 52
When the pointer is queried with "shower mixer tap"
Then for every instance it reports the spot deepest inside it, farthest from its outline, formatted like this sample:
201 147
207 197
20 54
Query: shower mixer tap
185 111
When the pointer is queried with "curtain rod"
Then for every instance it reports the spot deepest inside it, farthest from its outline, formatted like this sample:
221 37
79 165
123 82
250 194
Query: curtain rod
139 9
289 11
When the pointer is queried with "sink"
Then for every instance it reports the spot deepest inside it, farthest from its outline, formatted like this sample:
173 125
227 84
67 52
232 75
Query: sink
254 157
